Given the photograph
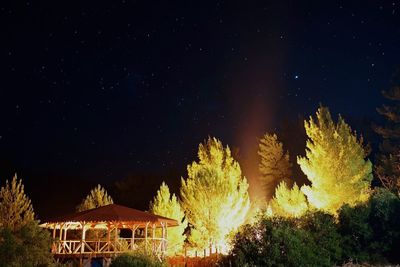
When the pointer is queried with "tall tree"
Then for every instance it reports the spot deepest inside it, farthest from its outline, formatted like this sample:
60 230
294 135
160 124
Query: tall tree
97 197
214 195
22 241
335 164
168 206
387 167
15 207
288 202
274 165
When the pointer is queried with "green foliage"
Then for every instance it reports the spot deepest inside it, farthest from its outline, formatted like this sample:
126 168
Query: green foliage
274 165
371 231
287 242
335 164
288 202
15 207
324 231
97 197
214 195
168 206
27 246
356 232
136 260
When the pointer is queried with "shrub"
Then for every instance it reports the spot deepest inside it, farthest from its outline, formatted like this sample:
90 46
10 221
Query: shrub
28 246
287 242
371 231
136 260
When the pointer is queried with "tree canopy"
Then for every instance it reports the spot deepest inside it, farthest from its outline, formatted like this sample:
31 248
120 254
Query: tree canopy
22 241
334 163
288 202
97 197
214 195
387 167
168 206
274 164
15 207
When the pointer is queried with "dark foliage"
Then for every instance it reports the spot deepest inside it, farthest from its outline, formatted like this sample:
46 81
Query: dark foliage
371 232
27 246
310 241
136 260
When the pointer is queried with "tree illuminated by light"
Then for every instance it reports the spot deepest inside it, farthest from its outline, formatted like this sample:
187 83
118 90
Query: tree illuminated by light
214 195
168 206
15 207
97 197
334 163
288 202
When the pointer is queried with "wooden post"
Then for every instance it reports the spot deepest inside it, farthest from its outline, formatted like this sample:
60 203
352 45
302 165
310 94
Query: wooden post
60 243
116 238
54 246
65 232
108 237
133 237
163 238
54 231
166 236
60 233
153 237
83 237
145 236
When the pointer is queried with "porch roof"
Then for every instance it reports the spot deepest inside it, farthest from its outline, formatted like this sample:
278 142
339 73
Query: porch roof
112 213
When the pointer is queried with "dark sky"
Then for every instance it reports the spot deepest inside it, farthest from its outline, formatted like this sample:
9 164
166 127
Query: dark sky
103 91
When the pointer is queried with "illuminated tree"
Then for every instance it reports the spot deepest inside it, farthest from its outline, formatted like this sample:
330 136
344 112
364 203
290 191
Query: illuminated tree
22 241
274 165
288 202
97 197
388 160
334 163
214 196
15 207
168 206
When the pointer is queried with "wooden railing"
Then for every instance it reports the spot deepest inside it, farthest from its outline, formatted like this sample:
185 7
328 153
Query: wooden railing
121 245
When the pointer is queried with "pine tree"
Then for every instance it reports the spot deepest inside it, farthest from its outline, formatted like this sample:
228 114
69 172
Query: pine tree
168 206
22 241
97 197
335 164
288 202
274 165
15 207
387 167
214 196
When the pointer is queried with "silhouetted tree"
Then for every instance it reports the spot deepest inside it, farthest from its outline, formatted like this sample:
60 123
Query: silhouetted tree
274 164
387 167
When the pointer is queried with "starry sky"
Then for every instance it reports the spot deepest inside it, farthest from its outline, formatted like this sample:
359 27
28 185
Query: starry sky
99 93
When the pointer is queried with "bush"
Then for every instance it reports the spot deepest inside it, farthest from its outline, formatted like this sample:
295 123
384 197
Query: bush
136 260
371 231
323 229
310 241
28 246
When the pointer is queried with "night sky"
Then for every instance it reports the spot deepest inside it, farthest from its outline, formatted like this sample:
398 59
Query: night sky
105 91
